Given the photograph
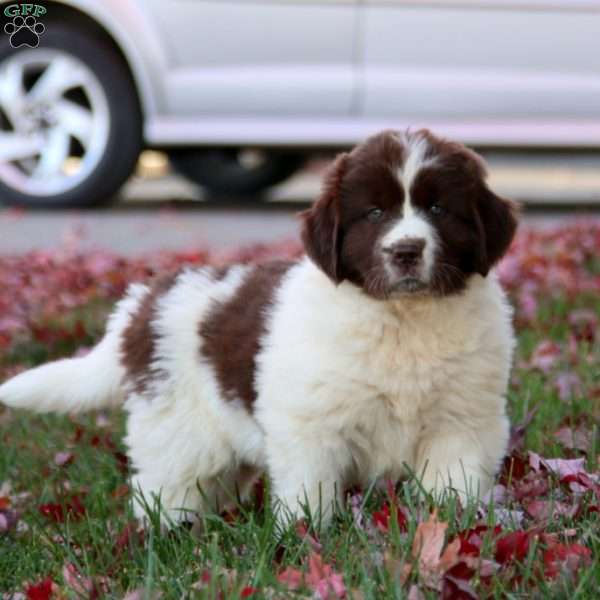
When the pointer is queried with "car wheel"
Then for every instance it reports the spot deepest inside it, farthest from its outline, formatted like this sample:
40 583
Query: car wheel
70 122
236 171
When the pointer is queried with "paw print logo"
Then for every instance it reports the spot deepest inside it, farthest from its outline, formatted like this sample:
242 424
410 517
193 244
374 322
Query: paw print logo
24 31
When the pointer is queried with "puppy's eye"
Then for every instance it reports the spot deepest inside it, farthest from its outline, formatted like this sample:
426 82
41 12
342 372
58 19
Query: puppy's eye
436 210
374 215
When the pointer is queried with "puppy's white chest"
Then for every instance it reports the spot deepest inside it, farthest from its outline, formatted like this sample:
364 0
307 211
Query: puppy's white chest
405 367
383 442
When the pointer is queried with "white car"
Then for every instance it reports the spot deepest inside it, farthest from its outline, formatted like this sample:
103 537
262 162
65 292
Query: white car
209 79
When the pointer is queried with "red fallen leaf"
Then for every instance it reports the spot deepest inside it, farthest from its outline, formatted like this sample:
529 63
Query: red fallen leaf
40 591
79 434
541 510
559 466
471 539
415 593
320 577
528 307
79 331
82 586
121 491
429 541
291 577
545 355
427 549
122 462
565 557
73 508
303 533
8 520
5 340
580 483
63 459
512 546
323 580
533 485
469 565
248 591
53 511
230 515
129 536
587 510
515 467
577 438
4 502
102 441
457 589
584 324
461 570
108 442
469 562
382 518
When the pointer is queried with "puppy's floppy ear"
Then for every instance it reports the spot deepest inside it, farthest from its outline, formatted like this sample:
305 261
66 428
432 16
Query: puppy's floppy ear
321 223
498 223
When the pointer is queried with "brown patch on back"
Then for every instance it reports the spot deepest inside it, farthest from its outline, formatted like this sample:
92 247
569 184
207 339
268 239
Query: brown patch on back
138 338
231 333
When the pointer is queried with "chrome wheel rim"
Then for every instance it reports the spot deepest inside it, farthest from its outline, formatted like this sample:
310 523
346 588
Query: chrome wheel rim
54 122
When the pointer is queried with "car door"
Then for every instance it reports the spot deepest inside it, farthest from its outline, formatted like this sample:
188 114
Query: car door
469 60
258 57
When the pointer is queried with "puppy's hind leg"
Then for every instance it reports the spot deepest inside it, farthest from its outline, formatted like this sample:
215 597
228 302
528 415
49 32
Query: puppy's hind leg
177 456
183 466
169 502
173 502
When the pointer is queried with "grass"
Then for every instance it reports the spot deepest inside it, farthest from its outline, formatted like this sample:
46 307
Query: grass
242 555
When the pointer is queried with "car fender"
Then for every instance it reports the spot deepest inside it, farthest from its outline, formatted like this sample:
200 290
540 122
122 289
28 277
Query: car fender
134 34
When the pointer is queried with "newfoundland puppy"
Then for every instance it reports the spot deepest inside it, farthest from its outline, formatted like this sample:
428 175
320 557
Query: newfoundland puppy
384 351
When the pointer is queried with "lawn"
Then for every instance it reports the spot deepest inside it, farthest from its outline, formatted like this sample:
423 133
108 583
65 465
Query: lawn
66 525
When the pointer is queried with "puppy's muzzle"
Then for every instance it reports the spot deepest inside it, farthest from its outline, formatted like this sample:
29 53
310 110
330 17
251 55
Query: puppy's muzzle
406 255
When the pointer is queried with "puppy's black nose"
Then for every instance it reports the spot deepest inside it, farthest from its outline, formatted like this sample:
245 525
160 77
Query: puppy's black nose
406 253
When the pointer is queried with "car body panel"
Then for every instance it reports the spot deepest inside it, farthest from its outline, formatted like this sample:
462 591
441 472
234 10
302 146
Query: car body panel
329 72
481 60
256 58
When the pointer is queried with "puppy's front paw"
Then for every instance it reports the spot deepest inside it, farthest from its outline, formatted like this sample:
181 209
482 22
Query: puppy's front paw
444 480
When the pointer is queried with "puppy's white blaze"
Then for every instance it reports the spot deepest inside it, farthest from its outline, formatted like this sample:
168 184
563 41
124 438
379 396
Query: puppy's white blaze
414 225
416 149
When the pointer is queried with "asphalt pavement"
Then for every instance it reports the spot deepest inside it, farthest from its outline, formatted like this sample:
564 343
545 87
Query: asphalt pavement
160 210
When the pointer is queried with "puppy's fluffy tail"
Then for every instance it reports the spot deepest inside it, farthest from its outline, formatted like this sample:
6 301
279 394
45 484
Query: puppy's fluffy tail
77 384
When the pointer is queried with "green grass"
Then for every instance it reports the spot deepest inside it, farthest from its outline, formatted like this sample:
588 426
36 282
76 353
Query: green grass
248 550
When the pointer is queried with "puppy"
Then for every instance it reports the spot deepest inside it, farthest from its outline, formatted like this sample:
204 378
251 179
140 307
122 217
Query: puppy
385 350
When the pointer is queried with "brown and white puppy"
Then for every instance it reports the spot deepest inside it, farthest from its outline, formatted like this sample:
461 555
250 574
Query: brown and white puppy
386 349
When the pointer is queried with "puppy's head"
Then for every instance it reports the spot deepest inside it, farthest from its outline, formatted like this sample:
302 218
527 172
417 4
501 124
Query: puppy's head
407 213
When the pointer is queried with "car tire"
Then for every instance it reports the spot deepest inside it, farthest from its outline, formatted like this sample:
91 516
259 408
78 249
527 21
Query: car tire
233 172
93 121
